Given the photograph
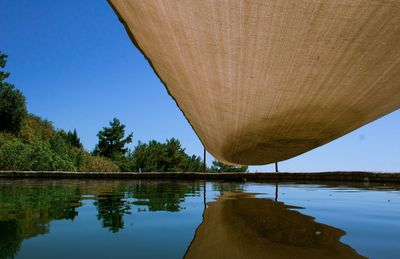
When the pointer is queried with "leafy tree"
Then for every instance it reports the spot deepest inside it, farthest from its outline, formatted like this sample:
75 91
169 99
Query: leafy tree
73 139
193 164
12 102
35 129
58 142
148 157
39 156
164 157
175 155
65 140
112 142
218 166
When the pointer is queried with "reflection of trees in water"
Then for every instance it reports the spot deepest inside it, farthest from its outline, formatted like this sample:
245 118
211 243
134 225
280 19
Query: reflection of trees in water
10 241
223 187
163 196
26 211
149 196
27 208
111 208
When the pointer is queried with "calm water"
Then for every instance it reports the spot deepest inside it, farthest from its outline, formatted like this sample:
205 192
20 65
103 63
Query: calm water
162 219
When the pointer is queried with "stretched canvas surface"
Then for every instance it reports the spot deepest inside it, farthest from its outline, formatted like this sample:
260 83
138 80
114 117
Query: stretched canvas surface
263 81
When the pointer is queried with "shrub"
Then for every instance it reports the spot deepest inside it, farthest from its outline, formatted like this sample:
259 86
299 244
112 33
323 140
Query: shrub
89 163
15 155
36 129
5 137
44 158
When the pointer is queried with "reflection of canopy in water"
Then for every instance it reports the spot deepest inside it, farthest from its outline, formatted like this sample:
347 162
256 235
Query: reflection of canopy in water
263 81
239 225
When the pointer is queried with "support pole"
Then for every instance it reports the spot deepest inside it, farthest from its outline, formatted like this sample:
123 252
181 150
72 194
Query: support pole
204 161
204 196
276 167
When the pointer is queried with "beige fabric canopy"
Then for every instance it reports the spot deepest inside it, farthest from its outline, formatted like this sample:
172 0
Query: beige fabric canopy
263 81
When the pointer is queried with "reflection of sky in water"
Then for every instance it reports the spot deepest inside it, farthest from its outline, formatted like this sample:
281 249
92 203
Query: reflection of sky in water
160 219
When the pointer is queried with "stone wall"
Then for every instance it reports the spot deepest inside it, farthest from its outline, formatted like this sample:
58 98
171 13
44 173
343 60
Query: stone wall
275 177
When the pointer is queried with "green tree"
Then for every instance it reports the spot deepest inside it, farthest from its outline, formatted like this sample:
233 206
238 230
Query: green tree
39 156
112 142
219 167
70 138
12 102
73 139
164 157
58 142
35 129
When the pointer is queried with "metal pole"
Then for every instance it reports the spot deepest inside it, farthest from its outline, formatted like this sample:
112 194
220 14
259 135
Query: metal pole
204 160
276 167
204 195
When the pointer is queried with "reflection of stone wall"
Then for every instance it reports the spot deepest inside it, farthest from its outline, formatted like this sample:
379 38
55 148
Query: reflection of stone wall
240 225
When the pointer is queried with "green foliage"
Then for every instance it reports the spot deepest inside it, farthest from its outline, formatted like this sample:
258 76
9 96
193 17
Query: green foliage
73 139
91 163
13 156
5 137
39 156
124 163
64 142
3 62
164 157
219 167
39 147
12 102
112 142
59 144
35 129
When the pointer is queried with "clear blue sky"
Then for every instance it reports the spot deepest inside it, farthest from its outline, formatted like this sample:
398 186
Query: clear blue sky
77 68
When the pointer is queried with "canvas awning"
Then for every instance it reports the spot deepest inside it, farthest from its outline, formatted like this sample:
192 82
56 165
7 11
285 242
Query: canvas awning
264 81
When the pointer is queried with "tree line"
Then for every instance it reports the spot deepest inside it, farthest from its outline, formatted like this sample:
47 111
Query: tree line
28 142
